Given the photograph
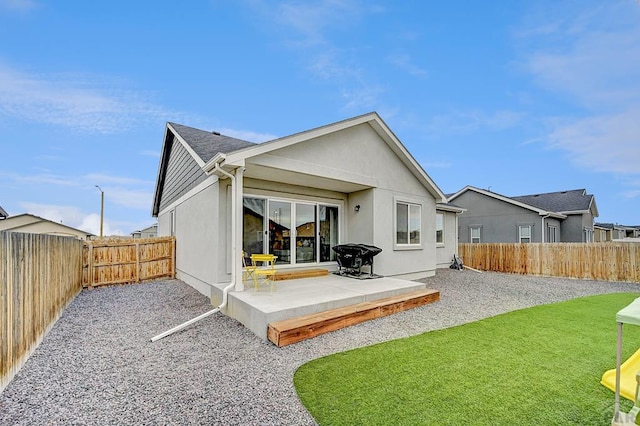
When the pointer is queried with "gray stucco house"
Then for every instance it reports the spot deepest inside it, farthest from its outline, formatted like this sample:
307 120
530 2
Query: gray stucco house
296 197
563 216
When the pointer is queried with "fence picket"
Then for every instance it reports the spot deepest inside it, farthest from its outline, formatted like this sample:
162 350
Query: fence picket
610 261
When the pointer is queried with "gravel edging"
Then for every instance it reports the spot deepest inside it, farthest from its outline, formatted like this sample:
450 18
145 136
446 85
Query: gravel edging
97 365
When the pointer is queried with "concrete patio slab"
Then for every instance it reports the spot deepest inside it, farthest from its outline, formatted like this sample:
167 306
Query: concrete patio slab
295 298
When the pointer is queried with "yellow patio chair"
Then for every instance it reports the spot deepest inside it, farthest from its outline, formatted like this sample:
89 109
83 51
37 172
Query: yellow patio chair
247 270
265 270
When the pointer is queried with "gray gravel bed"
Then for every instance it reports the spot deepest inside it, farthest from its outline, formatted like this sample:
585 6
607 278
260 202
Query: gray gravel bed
97 366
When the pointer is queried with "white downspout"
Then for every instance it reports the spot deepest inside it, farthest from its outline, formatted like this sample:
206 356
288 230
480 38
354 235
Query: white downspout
542 232
228 288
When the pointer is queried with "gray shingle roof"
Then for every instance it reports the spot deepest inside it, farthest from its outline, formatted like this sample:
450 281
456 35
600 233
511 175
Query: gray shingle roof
208 144
561 201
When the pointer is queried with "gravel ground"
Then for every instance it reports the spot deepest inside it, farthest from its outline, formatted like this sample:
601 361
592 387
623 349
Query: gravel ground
97 365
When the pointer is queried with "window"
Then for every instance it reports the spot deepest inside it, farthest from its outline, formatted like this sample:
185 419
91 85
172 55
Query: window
588 235
408 223
475 234
439 228
552 234
172 222
524 233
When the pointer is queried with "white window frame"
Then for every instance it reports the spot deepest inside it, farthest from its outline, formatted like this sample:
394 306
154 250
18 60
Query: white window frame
471 237
522 236
414 210
440 227
588 235
552 234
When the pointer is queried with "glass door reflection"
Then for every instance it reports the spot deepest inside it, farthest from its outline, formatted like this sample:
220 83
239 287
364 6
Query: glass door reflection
280 230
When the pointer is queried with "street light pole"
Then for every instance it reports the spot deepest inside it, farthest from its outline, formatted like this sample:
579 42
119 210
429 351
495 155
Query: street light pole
101 208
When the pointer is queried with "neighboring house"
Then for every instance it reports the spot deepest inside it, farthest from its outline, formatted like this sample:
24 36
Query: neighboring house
297 197
602 232
3 214
564 216
29 223
149 232
619 232
609 231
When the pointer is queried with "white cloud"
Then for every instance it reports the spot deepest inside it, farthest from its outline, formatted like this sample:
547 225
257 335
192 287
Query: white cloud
74 101
150 153
318 32
590 57
468 121
606 143
248 135
131 198
21 6
405 63
73 217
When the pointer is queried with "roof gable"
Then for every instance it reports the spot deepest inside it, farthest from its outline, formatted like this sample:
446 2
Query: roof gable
3 213
238 158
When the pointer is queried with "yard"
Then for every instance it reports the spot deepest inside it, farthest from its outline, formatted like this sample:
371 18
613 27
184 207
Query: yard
97 365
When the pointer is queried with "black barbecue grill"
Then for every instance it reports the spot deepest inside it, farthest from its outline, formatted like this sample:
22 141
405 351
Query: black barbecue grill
352 257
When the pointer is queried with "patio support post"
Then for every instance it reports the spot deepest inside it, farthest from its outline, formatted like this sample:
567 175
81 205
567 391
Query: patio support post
237 211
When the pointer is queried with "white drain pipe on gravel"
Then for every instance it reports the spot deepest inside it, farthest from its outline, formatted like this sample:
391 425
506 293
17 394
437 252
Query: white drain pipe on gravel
228 288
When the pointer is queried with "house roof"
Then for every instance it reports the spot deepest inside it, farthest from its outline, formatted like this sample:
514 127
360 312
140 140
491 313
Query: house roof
510 200
207 144
18 222
3 213
211 148
576 200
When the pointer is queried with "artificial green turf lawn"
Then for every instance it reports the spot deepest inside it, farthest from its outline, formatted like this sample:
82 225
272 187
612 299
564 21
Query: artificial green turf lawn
536 366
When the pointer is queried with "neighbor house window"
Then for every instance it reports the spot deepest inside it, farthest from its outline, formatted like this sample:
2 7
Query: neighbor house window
588 235
475 234
439 228
552 234
408 223
524 233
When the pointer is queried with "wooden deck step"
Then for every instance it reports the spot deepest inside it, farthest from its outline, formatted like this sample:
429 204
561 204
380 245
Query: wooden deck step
300 273
294 330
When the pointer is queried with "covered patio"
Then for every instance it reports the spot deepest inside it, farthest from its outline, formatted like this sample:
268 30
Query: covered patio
319 299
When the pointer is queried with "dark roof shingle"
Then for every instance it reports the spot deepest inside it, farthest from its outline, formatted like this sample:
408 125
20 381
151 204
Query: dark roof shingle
208 144
561 201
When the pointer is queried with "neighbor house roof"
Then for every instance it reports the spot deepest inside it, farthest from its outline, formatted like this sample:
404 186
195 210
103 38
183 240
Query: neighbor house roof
541 211
573 201
26 222
3 213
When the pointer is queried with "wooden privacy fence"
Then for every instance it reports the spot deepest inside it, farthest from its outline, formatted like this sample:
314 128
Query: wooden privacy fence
121 261
608 261
39 276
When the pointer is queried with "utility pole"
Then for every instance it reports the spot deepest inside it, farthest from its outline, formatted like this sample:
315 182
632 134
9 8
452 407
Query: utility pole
101 208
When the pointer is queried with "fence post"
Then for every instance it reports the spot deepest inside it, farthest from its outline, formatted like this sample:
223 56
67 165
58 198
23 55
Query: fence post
137 262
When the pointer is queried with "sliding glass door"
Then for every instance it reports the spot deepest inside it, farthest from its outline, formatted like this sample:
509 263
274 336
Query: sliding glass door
280 230
306 247
296 232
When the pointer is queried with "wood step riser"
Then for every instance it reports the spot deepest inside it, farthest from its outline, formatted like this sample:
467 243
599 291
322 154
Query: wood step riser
294 330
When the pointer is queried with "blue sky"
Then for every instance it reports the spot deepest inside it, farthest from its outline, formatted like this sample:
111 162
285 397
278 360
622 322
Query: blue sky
521 97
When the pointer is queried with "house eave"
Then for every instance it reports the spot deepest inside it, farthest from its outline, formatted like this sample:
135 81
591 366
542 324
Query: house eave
449 208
